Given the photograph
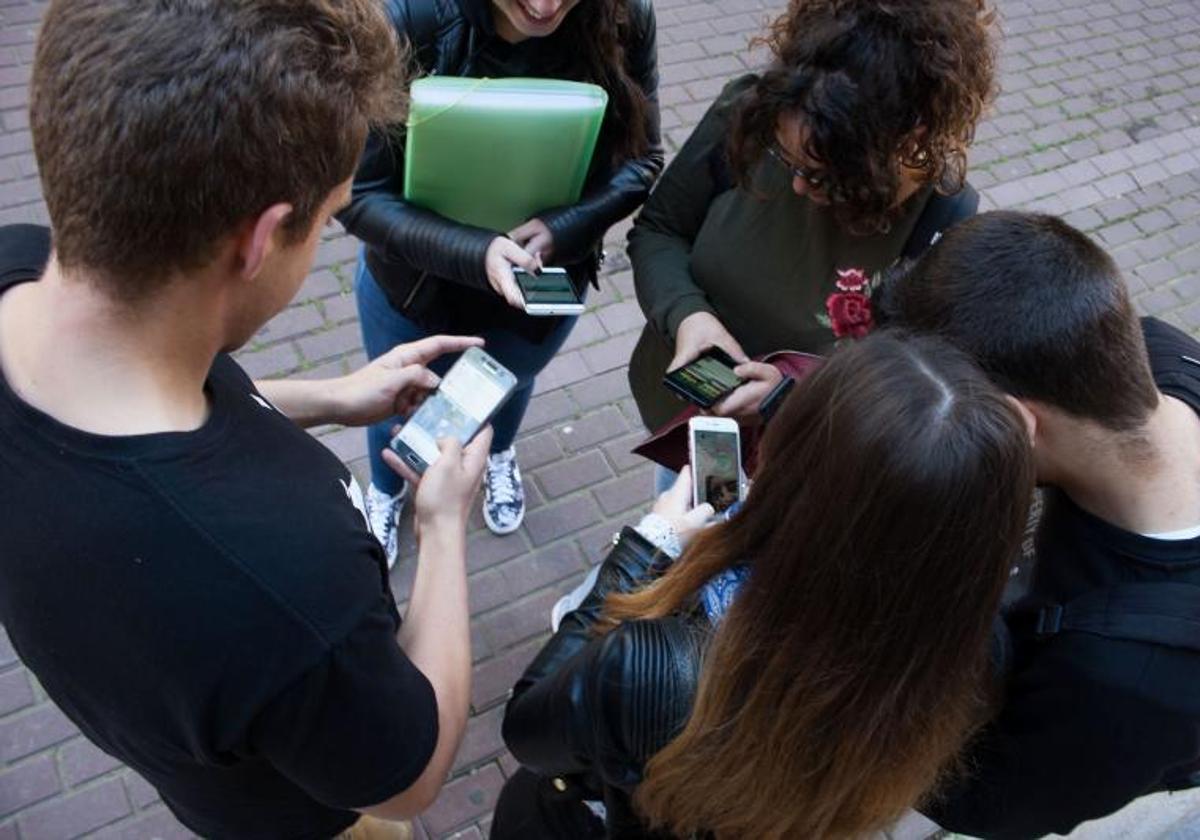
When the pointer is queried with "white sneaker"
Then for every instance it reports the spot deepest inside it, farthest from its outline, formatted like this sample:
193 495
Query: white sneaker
383 514
503 495
573 599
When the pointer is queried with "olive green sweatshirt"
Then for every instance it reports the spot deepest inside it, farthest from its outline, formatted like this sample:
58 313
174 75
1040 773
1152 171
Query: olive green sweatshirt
761 259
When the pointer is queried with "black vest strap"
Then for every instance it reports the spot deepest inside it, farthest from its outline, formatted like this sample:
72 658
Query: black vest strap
1166 614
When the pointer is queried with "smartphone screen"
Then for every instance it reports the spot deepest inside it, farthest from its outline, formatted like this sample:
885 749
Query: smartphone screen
706 379
458 408
716 468
547 287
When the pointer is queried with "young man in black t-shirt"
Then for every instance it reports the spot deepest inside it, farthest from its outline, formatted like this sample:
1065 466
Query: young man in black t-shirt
1088 723
190 575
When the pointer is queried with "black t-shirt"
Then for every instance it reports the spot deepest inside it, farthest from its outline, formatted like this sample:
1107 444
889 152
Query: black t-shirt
211 608
1089 723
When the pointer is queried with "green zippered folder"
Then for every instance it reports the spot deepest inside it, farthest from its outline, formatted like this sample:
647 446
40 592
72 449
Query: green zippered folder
495 152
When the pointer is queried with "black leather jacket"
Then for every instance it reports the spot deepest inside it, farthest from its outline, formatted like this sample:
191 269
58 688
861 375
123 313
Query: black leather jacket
411 250
590 711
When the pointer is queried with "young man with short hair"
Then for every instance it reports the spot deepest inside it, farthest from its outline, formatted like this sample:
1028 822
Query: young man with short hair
189 574
1090 720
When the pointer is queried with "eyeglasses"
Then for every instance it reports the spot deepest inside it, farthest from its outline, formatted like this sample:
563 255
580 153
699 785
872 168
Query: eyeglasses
813 178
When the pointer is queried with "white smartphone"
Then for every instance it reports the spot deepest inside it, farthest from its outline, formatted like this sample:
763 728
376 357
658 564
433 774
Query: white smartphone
715 453
471 392
548 293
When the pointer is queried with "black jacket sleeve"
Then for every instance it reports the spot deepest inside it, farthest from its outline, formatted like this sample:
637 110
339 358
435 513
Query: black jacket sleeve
401 231
579 227
660 242
604 705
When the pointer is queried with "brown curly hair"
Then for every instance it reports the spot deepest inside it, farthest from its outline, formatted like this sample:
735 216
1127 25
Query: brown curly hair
878 84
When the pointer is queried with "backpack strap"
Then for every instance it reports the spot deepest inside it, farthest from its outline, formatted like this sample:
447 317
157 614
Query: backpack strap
1166 614
940 213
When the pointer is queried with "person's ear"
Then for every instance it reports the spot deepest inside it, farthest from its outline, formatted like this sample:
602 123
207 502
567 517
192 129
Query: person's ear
259 238
1028 416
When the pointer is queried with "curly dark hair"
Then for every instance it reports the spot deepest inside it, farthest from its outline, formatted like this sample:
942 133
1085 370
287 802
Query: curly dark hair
879 84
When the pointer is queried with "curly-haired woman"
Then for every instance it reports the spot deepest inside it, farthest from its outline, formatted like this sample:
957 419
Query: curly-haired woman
810 668
422 273
848 152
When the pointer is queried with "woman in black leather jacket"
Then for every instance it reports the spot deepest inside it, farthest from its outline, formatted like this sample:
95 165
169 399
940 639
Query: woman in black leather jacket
811 667
422 273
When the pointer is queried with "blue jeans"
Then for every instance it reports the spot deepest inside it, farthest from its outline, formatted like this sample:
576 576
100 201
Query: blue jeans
383 328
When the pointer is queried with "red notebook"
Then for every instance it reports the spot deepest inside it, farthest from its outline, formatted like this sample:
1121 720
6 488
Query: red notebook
669 445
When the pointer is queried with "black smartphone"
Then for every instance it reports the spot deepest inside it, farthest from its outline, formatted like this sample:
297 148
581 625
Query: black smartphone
548 293
705 379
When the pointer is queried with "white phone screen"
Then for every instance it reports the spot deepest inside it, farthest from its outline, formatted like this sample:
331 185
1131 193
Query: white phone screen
457 409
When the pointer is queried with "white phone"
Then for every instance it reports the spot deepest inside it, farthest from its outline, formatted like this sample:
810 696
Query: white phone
471 392
715 453
549 293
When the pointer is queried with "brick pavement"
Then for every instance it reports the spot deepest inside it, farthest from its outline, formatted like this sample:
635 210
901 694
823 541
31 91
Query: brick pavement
1099 120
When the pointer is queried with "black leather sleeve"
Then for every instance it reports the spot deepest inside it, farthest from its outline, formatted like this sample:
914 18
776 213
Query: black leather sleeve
579 227
604 705
401 231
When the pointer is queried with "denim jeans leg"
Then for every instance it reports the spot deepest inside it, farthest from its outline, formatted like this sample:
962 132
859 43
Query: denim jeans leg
382 329
526 359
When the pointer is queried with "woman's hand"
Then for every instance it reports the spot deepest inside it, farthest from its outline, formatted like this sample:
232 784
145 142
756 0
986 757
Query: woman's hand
535 237
699 331
502 256
675 506
743 403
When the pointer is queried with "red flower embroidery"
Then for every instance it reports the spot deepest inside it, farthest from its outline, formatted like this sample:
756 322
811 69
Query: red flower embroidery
852 280
849 314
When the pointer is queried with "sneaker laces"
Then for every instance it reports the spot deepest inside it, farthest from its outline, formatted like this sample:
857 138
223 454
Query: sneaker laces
501 478
381 510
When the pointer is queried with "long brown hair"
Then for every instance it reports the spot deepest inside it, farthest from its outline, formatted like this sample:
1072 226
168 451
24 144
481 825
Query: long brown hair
891 499
879 84
598 31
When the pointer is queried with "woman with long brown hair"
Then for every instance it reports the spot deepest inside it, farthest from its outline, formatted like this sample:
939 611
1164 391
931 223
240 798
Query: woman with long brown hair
421 273
811 667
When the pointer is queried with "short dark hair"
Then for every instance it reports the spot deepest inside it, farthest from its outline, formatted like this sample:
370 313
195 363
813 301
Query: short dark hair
865 76
159 126
1041 307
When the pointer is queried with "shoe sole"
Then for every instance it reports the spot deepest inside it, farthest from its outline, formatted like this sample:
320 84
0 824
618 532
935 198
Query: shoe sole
496 529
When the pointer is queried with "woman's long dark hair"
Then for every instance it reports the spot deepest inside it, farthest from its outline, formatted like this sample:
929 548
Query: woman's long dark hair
890 502
599 30
878 84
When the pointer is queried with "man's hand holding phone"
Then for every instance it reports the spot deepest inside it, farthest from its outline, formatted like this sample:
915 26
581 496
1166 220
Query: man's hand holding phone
395 383
446 492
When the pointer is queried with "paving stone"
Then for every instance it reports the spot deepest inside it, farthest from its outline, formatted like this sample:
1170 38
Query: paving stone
632 490
558 520
24 784
465 799
570 475
15 691
157 824
28 732
81 761
600 390
482 740
141 793
76 813
492 679
591 429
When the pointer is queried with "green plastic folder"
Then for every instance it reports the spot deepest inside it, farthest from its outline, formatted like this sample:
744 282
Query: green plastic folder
494 152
